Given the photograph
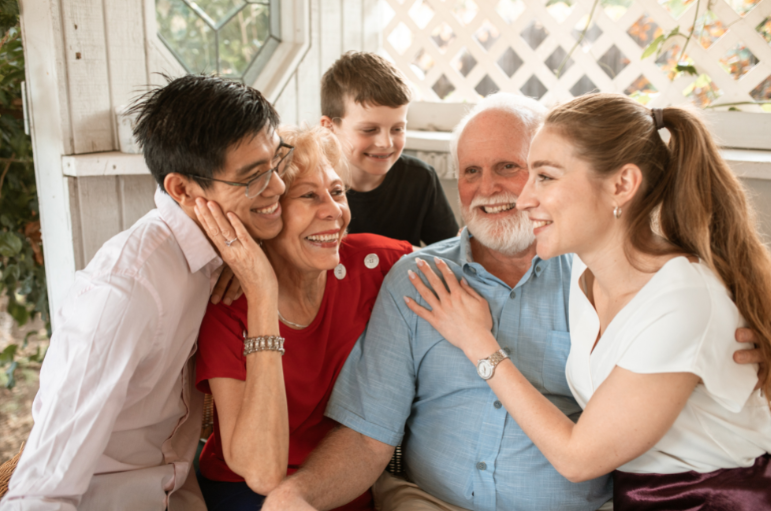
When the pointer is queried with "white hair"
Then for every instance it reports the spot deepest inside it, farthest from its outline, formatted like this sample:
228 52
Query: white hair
530 113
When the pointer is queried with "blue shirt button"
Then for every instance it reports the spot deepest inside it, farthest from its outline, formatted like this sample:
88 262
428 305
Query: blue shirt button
482 465
513 294
538 269
497 404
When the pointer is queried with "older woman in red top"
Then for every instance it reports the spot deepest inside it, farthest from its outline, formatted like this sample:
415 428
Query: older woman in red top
269 405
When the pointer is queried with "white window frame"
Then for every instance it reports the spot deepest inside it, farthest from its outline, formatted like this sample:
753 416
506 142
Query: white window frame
282 63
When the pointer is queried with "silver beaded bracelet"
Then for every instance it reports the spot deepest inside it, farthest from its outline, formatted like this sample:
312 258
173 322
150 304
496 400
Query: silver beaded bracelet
263 343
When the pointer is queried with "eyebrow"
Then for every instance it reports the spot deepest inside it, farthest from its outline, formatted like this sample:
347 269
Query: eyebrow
246 169
546 163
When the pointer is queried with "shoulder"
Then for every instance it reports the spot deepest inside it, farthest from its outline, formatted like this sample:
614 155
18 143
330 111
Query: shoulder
356 247
414 169
148 242
448 250
686 288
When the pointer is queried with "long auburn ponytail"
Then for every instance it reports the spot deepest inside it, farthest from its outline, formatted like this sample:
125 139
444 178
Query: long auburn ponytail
688 194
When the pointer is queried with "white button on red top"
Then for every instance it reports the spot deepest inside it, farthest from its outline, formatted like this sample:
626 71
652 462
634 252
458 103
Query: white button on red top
371 261
340 271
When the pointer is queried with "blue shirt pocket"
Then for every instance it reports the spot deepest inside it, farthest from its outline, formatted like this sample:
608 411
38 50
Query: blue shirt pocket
555 358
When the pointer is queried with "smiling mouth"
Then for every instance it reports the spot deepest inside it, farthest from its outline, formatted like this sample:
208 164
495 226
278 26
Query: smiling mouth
540 223
323 238
491 210
267 210
379 156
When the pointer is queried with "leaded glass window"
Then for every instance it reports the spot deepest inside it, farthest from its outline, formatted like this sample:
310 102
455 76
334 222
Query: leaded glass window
231 38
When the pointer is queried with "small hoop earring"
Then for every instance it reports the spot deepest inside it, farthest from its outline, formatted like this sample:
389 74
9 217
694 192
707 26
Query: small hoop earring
617 212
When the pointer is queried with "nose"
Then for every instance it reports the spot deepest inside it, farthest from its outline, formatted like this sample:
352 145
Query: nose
384 139
527 198
275 186
329 208
489 183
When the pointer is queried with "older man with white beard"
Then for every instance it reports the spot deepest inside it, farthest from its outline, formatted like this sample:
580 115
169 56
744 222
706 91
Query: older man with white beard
403 383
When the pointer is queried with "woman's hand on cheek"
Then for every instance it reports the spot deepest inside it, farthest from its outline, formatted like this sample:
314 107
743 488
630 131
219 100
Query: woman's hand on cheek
457 312
243 255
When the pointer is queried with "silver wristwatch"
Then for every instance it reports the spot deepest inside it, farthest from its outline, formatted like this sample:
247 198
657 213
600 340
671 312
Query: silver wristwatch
486 366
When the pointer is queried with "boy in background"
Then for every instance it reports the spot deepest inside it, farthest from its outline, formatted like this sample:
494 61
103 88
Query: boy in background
364 102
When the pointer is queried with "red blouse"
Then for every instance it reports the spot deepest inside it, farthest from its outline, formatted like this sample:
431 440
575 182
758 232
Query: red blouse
314 355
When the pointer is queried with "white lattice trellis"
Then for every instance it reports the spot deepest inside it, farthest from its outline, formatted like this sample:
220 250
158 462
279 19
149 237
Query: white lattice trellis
460 50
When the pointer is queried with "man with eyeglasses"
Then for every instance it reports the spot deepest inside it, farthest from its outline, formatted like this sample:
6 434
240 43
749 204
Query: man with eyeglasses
117 419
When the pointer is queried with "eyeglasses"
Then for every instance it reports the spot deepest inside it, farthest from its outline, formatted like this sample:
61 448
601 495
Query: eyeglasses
259 183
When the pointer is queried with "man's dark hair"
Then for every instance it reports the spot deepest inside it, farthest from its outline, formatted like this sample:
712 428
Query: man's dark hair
188 126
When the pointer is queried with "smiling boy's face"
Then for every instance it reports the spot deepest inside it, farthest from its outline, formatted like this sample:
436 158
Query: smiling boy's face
373 138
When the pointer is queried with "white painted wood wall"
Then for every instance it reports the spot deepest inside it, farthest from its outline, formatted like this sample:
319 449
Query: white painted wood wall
87 57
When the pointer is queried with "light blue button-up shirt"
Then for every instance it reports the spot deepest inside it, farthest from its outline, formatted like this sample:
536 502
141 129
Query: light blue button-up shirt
403 382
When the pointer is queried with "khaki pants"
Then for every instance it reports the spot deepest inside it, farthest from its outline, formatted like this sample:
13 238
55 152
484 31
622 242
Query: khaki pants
396 494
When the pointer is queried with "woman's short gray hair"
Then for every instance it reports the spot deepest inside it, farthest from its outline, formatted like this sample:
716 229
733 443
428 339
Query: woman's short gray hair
529 111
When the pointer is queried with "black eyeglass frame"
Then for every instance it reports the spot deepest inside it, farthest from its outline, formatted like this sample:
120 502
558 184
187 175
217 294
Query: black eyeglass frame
258 176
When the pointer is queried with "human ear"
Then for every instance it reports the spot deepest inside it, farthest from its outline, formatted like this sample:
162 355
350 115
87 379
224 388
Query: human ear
625 183
327 123
182 189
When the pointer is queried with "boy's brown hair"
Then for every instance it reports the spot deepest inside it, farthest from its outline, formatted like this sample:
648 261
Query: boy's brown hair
366 78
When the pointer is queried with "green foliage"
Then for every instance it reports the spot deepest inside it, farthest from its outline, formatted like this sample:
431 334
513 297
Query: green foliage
22 274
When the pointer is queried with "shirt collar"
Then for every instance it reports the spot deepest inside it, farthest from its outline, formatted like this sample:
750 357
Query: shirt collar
467 261
195 245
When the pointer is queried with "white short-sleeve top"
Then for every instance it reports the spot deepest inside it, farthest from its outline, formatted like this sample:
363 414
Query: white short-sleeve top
682 320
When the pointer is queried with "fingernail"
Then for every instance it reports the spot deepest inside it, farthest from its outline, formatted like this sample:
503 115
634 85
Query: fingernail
215 299
464 280
437 261
228 301
406 300
420 261
411 274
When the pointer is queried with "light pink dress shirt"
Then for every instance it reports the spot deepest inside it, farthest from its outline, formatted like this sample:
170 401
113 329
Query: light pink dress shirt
117 418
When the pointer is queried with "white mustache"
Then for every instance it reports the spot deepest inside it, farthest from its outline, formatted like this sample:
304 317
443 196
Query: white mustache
499 198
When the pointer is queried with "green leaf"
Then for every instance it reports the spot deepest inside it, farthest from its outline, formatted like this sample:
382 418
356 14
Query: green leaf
18 312
653 47
11 383
26 339
10 244
38 356
6 356
686 68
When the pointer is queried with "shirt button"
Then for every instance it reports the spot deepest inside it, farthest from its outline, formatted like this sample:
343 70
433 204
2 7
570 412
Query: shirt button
482 465
513 294
497 404
538 268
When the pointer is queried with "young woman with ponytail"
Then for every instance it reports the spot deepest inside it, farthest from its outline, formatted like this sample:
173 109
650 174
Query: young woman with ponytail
668 266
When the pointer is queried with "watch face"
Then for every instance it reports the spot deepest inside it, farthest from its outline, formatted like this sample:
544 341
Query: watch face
485 369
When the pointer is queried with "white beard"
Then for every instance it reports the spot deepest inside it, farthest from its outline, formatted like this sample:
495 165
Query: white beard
509 235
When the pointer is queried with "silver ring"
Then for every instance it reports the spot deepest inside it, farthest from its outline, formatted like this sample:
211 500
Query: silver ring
230 242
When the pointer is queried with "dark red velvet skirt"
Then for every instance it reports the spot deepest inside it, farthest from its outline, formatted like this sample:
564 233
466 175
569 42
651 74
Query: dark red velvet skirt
728 489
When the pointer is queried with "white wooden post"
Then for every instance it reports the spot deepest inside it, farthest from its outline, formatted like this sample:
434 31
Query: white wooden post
49 121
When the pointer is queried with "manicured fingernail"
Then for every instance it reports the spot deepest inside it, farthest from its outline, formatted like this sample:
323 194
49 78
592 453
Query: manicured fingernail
227 301
406 299
464 280
411 274
420 261
215 299
438 261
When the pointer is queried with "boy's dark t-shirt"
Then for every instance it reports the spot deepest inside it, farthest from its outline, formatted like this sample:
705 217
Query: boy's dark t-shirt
408 205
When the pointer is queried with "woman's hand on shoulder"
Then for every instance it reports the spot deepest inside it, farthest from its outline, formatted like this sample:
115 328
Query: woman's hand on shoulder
750 355
237 248
457 312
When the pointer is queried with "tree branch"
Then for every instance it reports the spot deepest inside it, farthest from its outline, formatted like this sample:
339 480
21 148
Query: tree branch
5 171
